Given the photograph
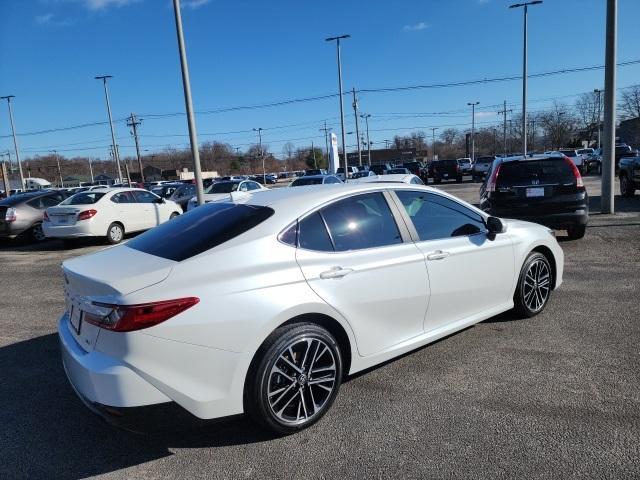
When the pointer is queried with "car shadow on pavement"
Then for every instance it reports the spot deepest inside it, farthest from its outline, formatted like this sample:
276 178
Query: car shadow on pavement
47 432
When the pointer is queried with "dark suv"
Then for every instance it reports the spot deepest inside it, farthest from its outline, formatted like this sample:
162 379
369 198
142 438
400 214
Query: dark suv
629 176
417 168
445 170
542 189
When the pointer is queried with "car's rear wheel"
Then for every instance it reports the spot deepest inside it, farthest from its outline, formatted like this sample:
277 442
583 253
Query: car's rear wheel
295 378
577 232
534 285
37 234
115 233
173 215
459 179
627 189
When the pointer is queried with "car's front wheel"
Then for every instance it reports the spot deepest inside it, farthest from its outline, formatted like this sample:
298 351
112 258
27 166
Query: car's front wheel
295 378
534 285
627 189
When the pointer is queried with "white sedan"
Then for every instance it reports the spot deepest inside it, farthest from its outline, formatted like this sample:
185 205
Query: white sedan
265 305
223 191
109 213
390 178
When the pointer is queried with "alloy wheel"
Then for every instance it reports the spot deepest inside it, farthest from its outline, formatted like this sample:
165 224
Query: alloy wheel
537 285
38 234
115 233
301 381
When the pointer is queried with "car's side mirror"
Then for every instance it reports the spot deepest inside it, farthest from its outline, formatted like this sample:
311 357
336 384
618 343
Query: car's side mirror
495 226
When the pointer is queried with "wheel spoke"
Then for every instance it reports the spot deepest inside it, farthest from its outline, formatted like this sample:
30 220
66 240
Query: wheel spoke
290 363
304 404
283 394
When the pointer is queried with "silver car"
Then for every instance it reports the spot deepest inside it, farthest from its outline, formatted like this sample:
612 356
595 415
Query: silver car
22 213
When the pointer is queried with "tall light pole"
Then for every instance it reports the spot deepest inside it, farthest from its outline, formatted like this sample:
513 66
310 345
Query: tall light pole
366 119
55 154
344 140
264 172
433 142
116 157
473 130
15 138
524 72
598 92
191 122
609 143
355 112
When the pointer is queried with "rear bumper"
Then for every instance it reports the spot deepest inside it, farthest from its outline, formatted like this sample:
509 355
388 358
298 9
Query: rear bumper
558 221
137 369
68 231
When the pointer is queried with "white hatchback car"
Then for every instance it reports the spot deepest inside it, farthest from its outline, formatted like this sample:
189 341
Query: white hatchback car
109 213
264 305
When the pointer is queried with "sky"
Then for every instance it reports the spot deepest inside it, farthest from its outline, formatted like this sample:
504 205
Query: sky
252 53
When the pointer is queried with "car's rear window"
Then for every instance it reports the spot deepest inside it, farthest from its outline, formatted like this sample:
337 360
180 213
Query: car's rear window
84 198
485 159
551 170
199 230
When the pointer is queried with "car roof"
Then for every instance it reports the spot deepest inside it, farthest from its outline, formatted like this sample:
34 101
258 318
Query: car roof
306 177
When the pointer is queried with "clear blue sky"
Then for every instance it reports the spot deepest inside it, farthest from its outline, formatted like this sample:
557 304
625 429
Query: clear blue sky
255 52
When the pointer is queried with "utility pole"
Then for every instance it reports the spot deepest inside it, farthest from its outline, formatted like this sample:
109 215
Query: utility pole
473 130
524 72
433 143
326 138
90 170
344 140
598 92
313 152
5 178
15 138
366 119
55 154
264 172
104 79
133 123
355 113
504 112
386 144
533 134
609 147
191 122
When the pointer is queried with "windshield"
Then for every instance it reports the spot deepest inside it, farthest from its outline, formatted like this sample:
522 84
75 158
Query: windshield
306 181
84 198
223 187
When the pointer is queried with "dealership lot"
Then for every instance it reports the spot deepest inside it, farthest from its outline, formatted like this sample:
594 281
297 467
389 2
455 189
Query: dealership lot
554 396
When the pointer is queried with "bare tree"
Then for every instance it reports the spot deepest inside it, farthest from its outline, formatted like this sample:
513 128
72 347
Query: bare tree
449 136
588 113
288 149
557 125
629 104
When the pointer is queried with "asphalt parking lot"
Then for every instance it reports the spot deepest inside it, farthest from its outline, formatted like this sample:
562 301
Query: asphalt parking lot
556 396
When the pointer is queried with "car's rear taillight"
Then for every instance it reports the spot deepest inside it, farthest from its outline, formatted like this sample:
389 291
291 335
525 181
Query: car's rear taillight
493 180
127 318
10 215
576 172
87 214
45 217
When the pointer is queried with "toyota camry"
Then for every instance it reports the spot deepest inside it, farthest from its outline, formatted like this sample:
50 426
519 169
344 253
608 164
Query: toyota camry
264 303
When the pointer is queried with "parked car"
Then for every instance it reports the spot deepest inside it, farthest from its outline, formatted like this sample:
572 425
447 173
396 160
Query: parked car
393 178
183 194
593 163
222 190
166 189
465 165
264 307
22 213
480 167
380 169
441 170
576 158
315 171
315 180
350 172
629 174
108 213
622 151
398 171
264 180
417 168
363 174
545 189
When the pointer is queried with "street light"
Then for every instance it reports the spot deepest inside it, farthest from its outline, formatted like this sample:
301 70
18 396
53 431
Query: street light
15 139
366 119
524 72
264 172
344 141
116 157
473 130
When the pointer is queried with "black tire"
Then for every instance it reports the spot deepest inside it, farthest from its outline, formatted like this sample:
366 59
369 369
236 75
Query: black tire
458 179
532 294
577 232
262 380
627 188
173 215
115 233
37 234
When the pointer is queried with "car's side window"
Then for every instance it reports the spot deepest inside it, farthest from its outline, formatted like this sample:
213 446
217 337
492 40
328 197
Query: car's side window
313 235
122 197
331 180
253 186
144 197
362 221
243 187
437 217
417 181
50 201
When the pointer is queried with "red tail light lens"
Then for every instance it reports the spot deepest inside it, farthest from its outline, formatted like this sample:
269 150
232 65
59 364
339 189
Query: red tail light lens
127 318
87 214
576 172
491 184
45 217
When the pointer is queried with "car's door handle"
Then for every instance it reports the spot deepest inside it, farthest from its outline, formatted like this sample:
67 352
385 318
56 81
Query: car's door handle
437 255
335 272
